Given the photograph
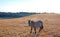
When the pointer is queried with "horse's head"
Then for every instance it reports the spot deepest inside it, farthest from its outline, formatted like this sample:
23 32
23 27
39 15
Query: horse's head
30 22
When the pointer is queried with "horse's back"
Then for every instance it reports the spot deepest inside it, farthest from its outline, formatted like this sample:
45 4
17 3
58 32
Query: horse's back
36 24
40 23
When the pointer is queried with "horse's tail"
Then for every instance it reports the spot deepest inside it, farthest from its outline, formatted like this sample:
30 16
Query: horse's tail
41 26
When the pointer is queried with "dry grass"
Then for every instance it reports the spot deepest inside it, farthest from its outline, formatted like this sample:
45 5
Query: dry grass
18 27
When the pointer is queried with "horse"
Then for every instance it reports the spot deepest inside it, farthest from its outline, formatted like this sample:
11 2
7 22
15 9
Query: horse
35 25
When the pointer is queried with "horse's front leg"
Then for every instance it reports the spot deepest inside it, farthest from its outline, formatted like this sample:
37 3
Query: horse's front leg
31 30
39 29
35 29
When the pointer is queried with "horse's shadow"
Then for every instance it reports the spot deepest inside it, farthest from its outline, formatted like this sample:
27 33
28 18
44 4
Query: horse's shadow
30 35
34 35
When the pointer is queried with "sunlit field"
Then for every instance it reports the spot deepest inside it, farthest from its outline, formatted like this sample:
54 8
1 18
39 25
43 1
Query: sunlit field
18 27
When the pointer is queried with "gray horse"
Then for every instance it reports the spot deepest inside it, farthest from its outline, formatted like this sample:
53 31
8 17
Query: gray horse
38 24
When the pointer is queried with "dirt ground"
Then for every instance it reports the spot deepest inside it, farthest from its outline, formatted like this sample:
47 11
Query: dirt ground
18 27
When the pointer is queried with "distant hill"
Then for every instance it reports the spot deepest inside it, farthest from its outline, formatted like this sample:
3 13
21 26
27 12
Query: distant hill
14 15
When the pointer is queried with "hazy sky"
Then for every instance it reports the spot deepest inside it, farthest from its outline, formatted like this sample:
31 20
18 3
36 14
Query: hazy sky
30 5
